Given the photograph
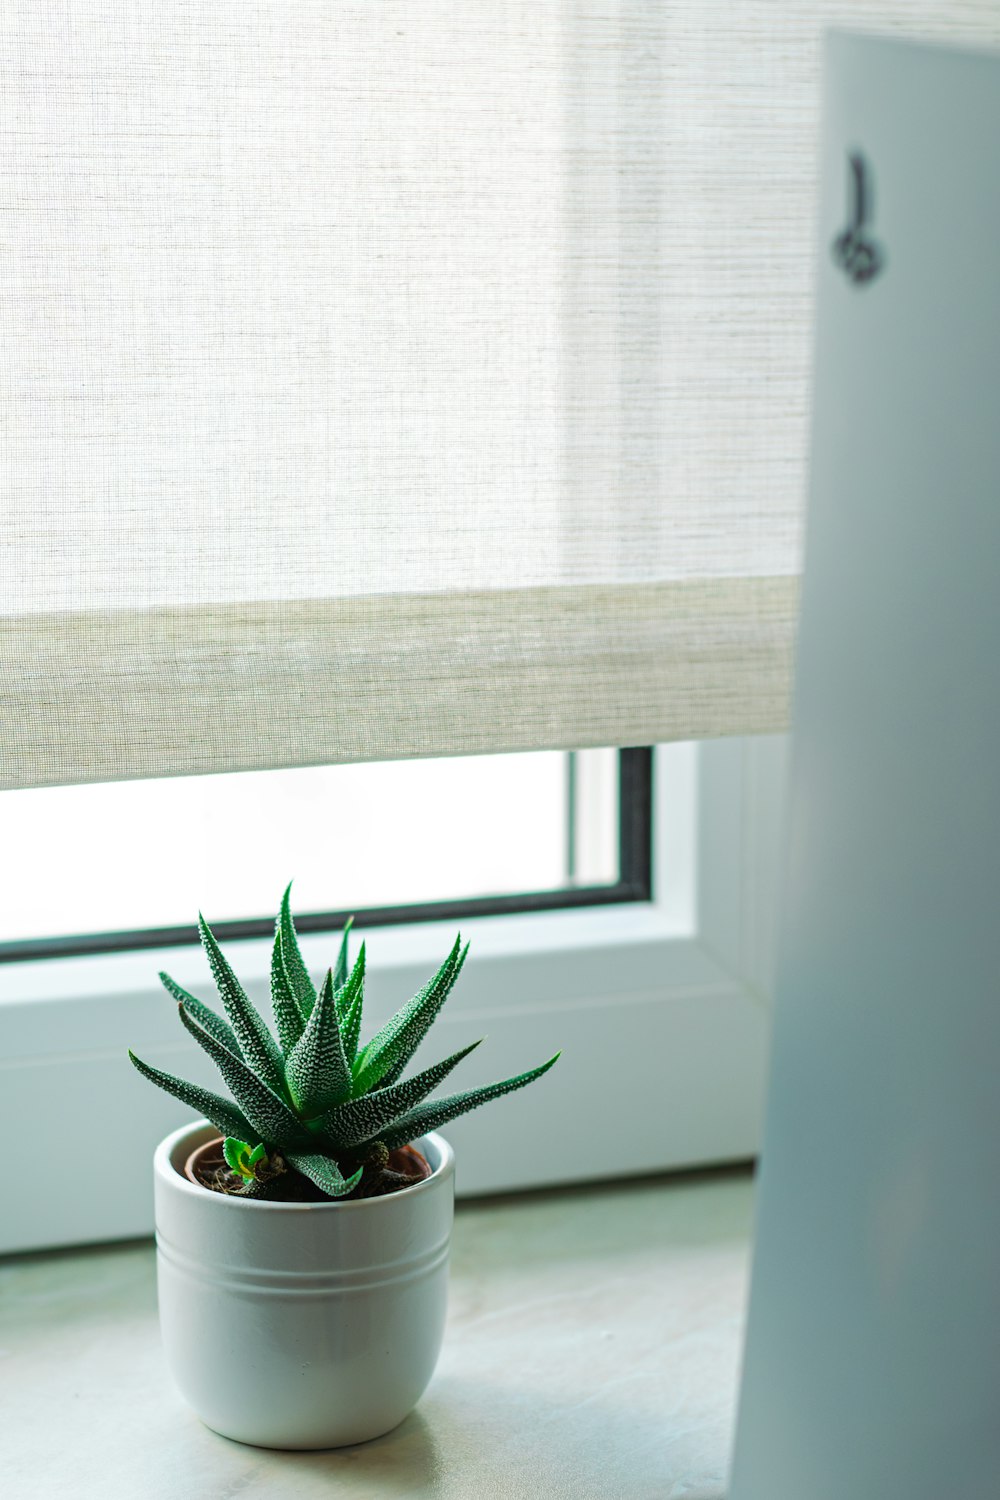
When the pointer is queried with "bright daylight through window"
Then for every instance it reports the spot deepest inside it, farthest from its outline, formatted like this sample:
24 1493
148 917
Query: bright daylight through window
115 864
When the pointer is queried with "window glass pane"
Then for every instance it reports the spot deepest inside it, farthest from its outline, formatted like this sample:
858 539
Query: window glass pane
149 854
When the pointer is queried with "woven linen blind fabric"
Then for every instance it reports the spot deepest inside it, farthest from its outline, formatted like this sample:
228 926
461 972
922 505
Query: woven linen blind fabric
384 379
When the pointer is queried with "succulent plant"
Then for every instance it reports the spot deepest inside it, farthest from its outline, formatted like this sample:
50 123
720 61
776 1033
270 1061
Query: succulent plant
243 1159
315 1100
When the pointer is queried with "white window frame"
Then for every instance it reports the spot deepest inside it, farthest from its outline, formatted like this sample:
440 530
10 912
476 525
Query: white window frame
661 1010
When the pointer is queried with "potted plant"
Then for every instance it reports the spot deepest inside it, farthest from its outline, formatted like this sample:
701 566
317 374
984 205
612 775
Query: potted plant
303 1224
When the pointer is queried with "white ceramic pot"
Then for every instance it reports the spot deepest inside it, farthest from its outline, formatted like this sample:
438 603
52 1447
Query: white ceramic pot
301 1325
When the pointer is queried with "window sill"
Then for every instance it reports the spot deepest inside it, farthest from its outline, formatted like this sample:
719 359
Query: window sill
592 1351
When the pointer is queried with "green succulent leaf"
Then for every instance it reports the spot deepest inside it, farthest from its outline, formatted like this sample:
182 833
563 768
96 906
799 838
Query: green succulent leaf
386 1055
241 1159
364 1119
256 1187
317 1072
270 1117
350 1007
340 968
434 1113
222 1113
256 1044
287 1016
302 986
323 1172
237 1153
213 1024
233 1150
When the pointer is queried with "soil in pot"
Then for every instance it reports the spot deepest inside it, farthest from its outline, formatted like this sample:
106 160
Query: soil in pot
401 1168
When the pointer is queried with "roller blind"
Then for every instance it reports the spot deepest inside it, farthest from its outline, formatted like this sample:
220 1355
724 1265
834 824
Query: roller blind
386 380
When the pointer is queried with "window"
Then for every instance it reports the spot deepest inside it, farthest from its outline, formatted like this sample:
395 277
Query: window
386 842
663 997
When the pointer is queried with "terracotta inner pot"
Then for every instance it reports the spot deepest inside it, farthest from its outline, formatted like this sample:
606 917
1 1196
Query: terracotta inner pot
207 1167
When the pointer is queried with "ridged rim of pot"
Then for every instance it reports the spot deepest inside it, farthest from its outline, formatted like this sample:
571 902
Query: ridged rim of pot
163 1167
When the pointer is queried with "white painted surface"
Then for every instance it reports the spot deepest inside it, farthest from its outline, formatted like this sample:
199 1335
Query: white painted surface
873 1357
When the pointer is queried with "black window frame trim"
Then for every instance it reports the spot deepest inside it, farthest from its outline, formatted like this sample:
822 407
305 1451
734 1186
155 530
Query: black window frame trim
635 883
